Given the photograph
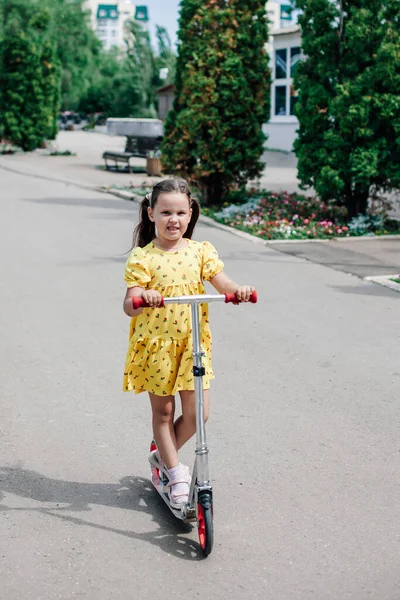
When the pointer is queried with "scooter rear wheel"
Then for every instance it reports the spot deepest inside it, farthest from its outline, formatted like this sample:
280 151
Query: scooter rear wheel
155 473
205 522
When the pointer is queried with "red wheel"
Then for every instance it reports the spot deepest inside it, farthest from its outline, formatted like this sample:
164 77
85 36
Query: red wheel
205 522
155 473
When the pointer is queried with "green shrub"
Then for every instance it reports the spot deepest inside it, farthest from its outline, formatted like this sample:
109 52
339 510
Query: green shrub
348 144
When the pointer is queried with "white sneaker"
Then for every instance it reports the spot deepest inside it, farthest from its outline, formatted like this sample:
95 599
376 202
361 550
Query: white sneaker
179 487
157 462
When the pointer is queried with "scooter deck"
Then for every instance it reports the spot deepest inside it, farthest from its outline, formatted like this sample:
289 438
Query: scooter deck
187 512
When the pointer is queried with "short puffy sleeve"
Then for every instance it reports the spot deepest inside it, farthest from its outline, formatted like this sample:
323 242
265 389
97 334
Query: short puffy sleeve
137 271
211 265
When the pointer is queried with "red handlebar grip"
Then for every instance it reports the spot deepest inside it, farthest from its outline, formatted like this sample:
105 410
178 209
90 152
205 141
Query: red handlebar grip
253 297
233 298
138 302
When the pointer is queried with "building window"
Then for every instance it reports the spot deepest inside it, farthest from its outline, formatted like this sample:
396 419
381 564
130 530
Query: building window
102 13
295 56
280 100
281 64
284 96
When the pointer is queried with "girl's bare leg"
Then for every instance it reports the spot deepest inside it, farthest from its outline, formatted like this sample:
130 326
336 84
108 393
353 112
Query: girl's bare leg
185 425
163 408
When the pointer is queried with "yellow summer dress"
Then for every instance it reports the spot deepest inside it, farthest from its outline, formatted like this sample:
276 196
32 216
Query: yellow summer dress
159 358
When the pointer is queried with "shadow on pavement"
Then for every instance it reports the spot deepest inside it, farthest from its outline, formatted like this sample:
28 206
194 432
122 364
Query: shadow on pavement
108 202
132 493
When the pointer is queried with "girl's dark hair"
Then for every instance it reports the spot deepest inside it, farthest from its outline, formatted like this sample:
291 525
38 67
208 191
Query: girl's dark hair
145 231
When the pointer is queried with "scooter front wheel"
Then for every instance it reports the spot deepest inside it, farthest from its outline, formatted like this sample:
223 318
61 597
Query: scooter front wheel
205 522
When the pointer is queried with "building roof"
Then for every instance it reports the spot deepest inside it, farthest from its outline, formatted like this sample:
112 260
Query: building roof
107 11
166 88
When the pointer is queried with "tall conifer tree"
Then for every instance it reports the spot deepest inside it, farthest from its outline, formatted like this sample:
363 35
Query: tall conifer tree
29 76
214 132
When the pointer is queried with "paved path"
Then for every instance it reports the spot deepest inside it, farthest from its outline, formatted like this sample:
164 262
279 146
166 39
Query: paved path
360 257
304 432
87 167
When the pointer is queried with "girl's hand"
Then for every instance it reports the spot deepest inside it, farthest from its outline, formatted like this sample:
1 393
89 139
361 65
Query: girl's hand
243 292
152 297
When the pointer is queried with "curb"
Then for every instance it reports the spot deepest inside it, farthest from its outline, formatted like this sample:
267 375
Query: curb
384 280
252 238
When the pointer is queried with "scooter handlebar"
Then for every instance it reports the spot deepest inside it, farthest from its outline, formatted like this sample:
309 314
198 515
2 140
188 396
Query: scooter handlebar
138 302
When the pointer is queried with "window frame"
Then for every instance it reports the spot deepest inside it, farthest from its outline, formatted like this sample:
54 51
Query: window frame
279 45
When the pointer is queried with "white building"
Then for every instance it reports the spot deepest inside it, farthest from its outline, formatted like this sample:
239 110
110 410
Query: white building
284 49
109 19
285 53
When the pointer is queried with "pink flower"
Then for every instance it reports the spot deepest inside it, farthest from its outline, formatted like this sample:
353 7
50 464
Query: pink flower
306 221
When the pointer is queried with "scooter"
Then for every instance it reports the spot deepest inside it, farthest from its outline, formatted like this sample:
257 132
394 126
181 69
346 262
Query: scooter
199 507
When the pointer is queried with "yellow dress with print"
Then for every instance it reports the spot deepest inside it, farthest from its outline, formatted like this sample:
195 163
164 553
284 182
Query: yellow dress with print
159 358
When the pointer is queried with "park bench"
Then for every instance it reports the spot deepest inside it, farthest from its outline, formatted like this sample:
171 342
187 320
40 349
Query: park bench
136 147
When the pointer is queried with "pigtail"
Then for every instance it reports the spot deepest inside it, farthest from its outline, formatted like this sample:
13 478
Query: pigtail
145 231
195 206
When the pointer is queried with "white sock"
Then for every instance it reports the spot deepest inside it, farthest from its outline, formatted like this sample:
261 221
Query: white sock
177 473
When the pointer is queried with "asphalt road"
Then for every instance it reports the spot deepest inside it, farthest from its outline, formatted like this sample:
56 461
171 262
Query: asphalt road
355 256
304 433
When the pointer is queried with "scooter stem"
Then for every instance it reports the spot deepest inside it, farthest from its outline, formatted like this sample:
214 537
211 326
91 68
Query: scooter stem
203 477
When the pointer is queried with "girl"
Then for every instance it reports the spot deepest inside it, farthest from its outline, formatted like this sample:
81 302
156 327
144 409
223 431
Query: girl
165 261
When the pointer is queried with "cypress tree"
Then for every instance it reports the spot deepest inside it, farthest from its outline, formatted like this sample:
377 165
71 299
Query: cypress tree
213 134
348 146
29 76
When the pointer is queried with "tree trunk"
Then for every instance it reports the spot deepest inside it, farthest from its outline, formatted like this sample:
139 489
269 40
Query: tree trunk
212 189
357 200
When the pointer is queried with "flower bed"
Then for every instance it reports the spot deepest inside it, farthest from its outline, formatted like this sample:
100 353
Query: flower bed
273 216
395 279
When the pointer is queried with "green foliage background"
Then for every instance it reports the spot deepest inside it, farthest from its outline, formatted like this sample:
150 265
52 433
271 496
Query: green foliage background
51 60
348 146
214 133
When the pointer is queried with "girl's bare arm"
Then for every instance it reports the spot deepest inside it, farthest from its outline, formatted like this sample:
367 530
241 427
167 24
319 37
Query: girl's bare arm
225 285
